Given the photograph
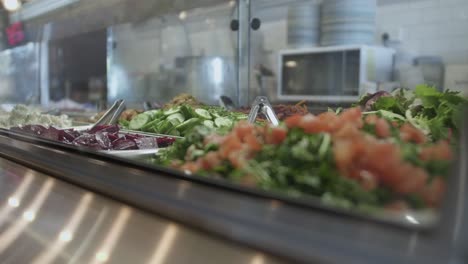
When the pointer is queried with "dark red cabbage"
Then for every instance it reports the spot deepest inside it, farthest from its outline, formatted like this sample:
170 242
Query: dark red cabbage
98 138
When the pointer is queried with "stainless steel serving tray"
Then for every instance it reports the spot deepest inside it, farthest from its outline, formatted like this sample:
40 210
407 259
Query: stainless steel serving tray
418 220
138 154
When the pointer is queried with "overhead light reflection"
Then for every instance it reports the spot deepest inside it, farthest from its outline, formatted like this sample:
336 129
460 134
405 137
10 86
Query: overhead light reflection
162 249
15 199
13 202
258 259
232 3
217 69
113 235
29 216
12 233
412 219
102 257
183 15
11 5
66 235
291 64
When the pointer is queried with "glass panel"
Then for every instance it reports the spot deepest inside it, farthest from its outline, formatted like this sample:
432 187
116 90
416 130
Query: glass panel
192 51
19 74
77 69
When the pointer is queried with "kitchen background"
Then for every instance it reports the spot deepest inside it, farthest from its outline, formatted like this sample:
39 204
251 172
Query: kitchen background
195 50
417 28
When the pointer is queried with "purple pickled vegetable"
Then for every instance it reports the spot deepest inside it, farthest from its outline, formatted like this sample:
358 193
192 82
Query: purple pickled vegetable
85 140
146 143
51 133
132 136
125 144
67 135
98 138
103 140
34 129
113 137
104 128
165 141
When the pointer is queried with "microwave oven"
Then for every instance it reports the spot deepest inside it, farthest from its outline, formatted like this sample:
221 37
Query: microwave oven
338 74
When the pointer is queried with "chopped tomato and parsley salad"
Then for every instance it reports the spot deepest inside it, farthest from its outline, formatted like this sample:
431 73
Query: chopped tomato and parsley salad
350 159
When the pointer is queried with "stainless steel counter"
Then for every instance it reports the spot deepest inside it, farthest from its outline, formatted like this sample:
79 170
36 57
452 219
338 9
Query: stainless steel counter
45 220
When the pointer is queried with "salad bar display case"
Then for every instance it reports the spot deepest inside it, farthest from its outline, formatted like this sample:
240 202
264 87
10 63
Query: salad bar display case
211 169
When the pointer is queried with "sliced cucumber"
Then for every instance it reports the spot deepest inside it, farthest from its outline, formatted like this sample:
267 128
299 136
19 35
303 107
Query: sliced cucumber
172 111
155 113
139 121
174 132
176 118
208 123
223 122
188 124
174 121
187 111
124 123
214 113
239 116
151 124
164 127
202 113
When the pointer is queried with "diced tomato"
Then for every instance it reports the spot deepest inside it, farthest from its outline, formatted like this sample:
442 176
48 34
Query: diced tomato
312 125
409 133
352 115
371 119
232 143
382 158
293 121
276 135
236 159
412 183
210 160
434 191
382 128
343 154
347 131
439 151
331 120
243 129
253 142
368 180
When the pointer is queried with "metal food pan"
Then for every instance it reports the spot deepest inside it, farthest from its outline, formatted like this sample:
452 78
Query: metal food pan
136 154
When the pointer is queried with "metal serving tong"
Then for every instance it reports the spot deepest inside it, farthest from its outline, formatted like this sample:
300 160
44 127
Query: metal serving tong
111 116
262 105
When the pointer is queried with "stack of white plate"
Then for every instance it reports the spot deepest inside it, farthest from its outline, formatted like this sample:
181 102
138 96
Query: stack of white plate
303 25
347 22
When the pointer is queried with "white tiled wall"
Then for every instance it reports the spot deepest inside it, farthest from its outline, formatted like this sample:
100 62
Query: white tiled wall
428 27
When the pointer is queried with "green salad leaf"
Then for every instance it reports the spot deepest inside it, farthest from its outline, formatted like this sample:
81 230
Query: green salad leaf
433 112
